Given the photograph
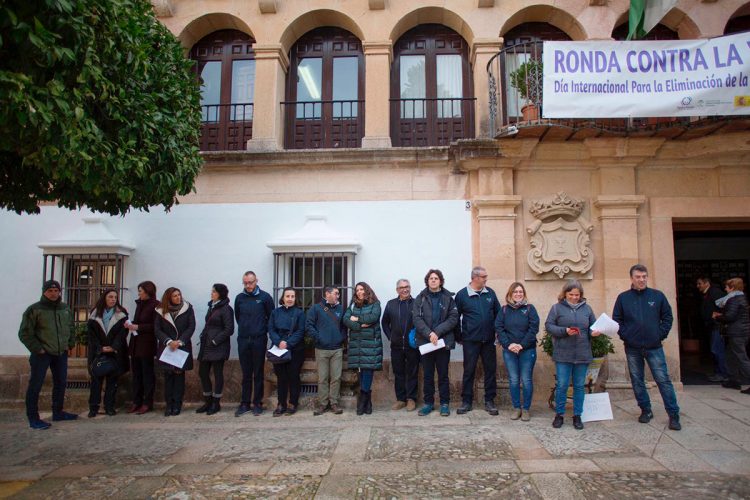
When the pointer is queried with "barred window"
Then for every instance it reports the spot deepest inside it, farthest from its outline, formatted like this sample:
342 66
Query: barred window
310 272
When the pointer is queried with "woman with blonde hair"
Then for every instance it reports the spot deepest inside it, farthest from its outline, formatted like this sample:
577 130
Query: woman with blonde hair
174 327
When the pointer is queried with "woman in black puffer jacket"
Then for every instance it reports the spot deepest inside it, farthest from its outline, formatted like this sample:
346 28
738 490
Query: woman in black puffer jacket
735 315
215 347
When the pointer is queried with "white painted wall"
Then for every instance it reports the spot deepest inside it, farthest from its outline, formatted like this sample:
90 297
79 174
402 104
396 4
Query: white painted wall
197 245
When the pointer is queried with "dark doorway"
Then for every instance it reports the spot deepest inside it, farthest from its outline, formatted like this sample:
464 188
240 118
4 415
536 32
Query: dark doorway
718 251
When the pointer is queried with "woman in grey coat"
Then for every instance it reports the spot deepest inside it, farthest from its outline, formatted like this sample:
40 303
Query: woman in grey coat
569 323
215 348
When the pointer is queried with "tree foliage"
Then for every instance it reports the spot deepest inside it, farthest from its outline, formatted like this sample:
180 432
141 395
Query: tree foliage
99 107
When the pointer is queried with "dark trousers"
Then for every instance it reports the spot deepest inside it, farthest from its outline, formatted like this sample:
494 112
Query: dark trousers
204 372
738 363
174 388
436 359
110 391
39 363
252 356
472 352
405 364
143 381
288 376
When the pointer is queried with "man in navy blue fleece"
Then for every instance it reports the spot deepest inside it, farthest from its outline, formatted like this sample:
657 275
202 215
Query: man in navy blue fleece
326 328
645 318
252 308
478 306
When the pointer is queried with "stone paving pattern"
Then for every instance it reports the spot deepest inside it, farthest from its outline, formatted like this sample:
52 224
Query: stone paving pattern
385 455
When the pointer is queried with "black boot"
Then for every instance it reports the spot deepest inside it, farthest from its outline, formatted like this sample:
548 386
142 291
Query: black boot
204 408
361 402
368 402
215 406
176 408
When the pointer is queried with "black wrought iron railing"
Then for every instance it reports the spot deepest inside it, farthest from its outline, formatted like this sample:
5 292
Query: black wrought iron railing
323 124
226 127
423 122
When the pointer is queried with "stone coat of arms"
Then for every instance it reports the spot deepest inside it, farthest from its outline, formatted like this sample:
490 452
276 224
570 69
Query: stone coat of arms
560 240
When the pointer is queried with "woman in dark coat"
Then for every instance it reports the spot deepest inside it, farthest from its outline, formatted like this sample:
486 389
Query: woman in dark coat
365 342
286 328
435 317
142 348
516 326
174 327
107 337
736 316
569 323
215 347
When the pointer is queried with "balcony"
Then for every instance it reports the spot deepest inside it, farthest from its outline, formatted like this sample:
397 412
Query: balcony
323 124
226 127
516 107
431 121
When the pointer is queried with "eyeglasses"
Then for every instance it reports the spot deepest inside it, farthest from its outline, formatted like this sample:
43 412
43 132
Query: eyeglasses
483 276
403 288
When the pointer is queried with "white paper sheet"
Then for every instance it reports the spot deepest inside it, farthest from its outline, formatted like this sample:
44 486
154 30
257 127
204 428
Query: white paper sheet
175 358
605 325
277 351
596 406
429 347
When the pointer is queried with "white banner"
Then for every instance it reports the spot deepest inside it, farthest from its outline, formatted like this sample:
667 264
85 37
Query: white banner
598 79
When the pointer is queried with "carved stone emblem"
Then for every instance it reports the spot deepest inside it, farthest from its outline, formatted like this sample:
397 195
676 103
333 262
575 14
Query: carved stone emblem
560 240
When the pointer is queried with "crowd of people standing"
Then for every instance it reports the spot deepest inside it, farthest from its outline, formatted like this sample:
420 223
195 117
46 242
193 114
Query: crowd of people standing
432 322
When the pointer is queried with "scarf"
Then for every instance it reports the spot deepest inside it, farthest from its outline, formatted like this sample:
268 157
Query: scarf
720 303
107 316
574 306
174 309
517 305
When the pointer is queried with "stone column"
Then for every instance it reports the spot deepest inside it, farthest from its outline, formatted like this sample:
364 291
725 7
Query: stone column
618 216
482 51
271 65
378 57
496 249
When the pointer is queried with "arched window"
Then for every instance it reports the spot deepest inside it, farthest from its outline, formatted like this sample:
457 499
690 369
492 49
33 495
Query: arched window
658 32
431 88
523 48
738 24
324 108
225 64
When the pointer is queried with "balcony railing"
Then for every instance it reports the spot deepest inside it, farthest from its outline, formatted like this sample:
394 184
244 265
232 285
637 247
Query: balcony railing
226 127
323 124
515 97
431 121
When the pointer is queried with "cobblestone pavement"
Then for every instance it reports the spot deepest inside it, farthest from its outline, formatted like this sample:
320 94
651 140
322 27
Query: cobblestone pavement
385 455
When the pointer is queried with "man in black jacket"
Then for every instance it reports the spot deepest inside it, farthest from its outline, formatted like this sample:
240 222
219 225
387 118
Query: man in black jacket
711 293
478 306
645 319
397 322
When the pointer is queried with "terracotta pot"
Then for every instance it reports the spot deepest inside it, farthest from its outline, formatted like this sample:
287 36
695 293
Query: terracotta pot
530 112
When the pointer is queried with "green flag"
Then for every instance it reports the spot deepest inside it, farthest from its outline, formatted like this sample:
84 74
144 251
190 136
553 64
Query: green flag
635 19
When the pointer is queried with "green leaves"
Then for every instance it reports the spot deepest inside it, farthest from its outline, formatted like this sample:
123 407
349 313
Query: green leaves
100 107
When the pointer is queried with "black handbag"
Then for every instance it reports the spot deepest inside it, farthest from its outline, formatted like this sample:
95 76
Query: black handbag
278 360
103 365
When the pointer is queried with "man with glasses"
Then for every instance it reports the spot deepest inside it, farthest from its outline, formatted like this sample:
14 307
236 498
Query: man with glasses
47 332
477 306
252 308
397 322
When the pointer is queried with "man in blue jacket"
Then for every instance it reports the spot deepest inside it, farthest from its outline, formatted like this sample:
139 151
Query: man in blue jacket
325 327
252 308
478 306
645 318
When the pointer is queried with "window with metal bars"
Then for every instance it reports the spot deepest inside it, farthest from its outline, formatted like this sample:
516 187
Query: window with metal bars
310 272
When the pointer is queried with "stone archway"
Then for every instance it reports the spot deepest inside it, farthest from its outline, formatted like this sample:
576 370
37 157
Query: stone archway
208 23
316 19
433 15
546 14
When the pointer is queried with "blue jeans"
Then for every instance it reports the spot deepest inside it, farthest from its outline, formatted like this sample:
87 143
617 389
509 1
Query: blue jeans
563 372
39 363
365 379
520 368
657 363
718 350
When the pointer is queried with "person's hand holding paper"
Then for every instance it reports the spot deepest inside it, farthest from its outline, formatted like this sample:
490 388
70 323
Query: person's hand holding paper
605 325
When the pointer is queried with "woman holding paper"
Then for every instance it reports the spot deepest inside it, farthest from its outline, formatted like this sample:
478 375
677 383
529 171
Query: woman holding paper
286 328
365 342
215 348
516 326
569 324
435 316
174 327
107 336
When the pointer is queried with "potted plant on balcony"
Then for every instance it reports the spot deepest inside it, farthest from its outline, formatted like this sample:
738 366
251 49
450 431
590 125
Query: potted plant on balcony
600 346
527 80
